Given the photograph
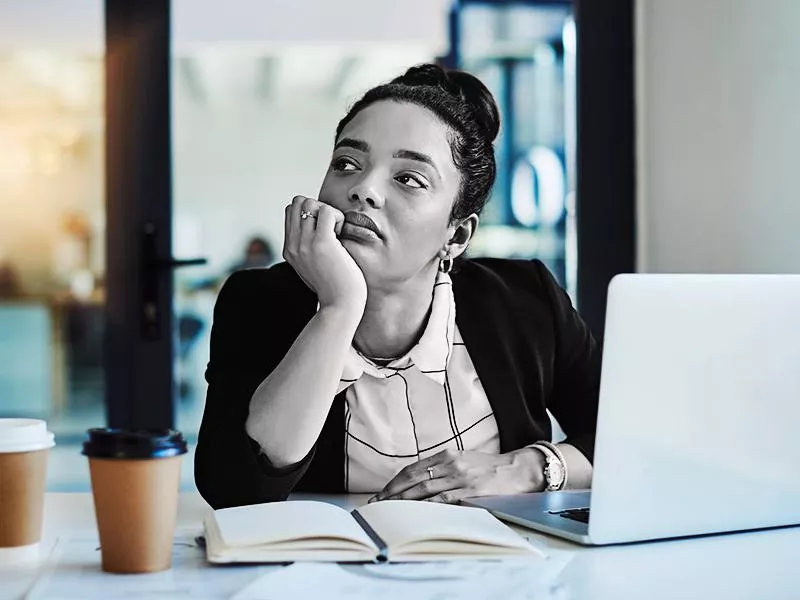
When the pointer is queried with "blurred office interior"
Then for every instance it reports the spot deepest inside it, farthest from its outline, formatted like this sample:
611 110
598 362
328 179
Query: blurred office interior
256 93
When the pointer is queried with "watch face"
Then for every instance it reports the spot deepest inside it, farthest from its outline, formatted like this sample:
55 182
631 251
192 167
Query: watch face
554 474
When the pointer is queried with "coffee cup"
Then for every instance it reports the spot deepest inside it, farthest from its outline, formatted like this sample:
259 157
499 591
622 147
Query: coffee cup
135 481
24 448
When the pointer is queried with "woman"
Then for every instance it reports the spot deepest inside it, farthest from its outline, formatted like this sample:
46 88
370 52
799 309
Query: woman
374 361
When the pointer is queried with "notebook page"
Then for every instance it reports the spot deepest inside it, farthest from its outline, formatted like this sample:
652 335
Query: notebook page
401 522
261 524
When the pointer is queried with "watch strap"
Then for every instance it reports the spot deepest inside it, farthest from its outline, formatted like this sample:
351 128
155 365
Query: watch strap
557 451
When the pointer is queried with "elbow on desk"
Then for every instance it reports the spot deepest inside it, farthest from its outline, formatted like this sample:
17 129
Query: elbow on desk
218 473
228 473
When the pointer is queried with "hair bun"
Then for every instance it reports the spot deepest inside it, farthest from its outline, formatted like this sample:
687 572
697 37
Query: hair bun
462 85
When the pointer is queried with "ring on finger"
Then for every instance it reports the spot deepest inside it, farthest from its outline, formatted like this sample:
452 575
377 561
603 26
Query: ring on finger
305 214
430 472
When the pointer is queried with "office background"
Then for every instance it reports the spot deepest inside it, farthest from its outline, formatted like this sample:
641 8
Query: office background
256 92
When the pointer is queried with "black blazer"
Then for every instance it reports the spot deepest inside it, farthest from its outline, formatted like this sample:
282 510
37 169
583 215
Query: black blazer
530 349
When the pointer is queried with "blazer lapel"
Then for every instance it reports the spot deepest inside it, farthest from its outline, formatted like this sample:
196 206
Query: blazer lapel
489 334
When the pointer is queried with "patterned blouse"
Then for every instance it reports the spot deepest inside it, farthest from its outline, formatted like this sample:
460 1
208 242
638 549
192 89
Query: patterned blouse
417 405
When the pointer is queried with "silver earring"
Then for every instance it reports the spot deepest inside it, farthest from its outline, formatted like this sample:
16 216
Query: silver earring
446 264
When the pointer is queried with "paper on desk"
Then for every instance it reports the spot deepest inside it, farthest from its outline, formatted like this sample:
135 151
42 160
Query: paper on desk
512 579
73 573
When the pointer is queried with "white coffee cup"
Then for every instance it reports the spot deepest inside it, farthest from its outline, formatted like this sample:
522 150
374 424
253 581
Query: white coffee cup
24 448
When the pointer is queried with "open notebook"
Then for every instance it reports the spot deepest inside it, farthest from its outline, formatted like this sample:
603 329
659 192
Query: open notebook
392 530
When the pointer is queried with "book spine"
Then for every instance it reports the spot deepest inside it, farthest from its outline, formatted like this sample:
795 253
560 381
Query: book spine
383 550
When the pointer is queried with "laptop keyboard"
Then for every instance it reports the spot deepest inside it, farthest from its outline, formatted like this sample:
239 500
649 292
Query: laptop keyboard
576 514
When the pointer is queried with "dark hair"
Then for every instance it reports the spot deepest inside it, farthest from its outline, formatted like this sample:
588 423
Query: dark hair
260 245
467 107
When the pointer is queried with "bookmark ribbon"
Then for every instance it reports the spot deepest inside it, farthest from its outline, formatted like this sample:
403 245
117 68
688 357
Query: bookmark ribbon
383 550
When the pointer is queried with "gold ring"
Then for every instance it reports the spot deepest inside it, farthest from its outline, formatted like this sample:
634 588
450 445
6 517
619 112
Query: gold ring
430 472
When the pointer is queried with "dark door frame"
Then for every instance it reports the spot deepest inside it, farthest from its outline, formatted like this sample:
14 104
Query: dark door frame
606 151
139 344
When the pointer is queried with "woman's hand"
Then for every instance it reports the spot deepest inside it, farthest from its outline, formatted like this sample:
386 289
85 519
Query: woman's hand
312 247
458 475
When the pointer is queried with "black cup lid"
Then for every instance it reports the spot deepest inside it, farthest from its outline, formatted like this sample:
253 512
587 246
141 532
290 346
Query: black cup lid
134 443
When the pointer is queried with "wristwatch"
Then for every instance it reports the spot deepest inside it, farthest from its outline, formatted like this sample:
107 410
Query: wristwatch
554 474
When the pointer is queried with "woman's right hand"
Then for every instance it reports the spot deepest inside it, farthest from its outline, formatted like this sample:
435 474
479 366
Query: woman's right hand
312 247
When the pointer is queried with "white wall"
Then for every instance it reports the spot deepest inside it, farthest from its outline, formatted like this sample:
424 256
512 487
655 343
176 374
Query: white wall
718 121
236 166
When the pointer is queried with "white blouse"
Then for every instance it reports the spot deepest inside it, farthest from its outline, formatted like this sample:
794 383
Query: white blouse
426 401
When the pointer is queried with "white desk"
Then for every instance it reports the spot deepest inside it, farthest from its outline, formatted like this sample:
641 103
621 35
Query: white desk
755 565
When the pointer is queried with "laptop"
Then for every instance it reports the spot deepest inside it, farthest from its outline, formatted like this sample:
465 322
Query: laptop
699 414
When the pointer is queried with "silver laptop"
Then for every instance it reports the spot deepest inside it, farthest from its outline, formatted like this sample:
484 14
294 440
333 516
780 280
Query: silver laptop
699 414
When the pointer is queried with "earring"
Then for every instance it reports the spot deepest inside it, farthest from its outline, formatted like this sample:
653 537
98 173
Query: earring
446 264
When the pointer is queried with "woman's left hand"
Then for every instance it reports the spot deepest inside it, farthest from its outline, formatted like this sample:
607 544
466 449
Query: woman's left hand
459 474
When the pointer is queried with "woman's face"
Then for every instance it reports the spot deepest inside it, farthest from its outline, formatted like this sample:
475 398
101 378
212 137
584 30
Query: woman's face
392 163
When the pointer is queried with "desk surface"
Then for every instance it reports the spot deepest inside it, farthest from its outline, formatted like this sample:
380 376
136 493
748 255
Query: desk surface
763 564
